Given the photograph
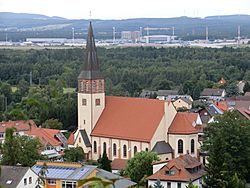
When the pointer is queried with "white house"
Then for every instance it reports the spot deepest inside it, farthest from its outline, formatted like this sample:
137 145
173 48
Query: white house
18 177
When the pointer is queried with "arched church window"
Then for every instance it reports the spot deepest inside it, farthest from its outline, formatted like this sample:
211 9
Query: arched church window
114 149
95 147
192 146
124 150
135 150
180 146
104 147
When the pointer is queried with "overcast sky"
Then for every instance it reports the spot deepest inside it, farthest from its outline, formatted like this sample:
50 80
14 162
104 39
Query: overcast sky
117 9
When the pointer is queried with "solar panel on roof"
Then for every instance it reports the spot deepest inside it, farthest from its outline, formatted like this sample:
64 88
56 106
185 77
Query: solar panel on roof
56 171
80 174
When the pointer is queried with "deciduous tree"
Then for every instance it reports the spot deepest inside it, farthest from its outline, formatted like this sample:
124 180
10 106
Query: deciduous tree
141 165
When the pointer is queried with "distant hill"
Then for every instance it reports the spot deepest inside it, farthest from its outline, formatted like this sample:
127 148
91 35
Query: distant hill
20 26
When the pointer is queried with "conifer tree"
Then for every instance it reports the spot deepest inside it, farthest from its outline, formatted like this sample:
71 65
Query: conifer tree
104 162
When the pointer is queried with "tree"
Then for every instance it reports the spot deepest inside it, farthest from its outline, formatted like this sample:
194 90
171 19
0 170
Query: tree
29 149
104 162
10 148
227 142
246 87
158 184
191 185
232 90
141 165
22 150
23 86
95 182
52 124
42 175
74 154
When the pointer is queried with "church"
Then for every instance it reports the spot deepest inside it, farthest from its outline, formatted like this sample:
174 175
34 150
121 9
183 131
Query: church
122 126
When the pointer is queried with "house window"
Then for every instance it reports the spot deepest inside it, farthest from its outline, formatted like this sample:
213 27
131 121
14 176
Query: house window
97 102
135 150
169 185
51 182
1 135
25 181
95 147
68 184
180 146
124 151
146 149
30 180
170 172
178 185
104 147
114 149
192 146
79 139
84 102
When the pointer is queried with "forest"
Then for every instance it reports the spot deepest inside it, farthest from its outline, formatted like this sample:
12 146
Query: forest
33 82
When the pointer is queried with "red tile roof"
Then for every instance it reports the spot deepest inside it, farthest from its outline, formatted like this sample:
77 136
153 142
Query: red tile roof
183 123
71 140
222 105
129 118
119 164
247 94
29 127
244 112
46 136
20 125
180 166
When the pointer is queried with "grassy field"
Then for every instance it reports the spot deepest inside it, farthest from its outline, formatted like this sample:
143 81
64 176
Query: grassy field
69 90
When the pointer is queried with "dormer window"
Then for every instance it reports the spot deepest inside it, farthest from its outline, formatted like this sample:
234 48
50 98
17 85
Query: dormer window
170 172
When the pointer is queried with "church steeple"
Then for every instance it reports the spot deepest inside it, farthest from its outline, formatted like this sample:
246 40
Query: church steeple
91 70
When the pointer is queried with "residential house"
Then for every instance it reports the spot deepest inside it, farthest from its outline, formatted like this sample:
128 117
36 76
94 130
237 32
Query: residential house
208 113
67 175
148 94
171 95
222 81
209 94
183 103
53 141
22 127
239 102
168 95
244 112
179 172
241 85
17 177
117 165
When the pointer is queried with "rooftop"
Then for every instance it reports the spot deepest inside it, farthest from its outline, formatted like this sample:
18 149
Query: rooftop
12 175
183 168
212 92
125 117
184 123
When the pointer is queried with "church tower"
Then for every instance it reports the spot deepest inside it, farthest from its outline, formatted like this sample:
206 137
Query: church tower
91 96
